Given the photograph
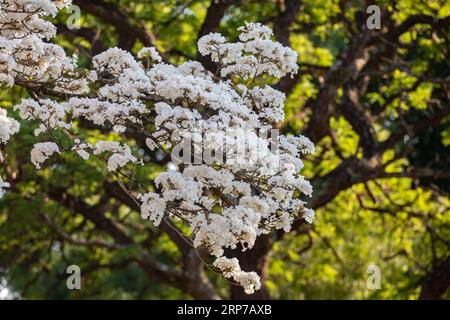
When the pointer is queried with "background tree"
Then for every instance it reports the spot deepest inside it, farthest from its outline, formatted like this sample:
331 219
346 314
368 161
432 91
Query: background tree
375 103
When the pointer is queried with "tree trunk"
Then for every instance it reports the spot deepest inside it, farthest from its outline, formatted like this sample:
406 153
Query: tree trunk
197 283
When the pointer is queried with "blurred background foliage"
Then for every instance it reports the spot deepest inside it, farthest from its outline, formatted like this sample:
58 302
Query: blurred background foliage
400 224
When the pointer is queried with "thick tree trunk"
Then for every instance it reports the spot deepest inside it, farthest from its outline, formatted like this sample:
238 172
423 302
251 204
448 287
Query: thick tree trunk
197 283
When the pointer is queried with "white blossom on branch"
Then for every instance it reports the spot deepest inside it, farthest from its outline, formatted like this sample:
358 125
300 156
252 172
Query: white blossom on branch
225 202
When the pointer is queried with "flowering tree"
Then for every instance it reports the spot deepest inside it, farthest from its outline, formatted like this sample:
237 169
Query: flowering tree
167 159
227 202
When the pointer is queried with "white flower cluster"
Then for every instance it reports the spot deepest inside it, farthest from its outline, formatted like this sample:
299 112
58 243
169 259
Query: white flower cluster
226 204
24 56
153 207
149 53
8 126
120 154
42 151
230 203
50 114
268 102
81 147
255 55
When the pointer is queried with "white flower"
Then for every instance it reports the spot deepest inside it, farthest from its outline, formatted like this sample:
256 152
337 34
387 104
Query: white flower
151 144
209 45
115 61
252 31
51 114
309 215
3 186
83 154
120 154
268 101
149 53
230 268
153 207
42 151
249 281
80 149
